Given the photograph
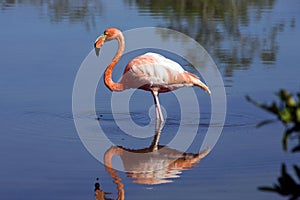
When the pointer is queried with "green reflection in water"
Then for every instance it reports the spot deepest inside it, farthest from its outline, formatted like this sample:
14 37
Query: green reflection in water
227 29
85 12
235 32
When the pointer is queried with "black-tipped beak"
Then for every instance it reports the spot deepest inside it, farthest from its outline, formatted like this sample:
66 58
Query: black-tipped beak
97 51
98 43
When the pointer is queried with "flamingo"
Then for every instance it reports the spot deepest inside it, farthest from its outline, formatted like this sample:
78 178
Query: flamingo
151 71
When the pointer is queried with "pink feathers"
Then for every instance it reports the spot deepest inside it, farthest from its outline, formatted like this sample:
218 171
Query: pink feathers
151 71
154 71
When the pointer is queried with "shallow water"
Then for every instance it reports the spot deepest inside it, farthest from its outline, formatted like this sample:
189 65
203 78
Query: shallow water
254 44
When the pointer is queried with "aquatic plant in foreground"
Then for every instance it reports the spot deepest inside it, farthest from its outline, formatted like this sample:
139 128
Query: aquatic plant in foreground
288 112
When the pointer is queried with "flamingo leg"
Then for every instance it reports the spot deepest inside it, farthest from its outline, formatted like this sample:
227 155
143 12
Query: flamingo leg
158 128
156 112
159 114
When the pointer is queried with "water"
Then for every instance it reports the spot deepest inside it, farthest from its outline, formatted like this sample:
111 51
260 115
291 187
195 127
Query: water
254 44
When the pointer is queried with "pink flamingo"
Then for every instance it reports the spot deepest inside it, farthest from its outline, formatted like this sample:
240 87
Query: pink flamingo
151 71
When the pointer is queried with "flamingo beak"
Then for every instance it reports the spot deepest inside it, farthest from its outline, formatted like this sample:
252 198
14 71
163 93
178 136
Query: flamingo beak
98 43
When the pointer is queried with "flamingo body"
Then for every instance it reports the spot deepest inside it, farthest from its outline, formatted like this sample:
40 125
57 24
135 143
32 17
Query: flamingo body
151 71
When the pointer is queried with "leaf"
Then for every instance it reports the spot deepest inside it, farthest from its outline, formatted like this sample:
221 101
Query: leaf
265 122
287 98
268 189
273 108
288 113
284 139
297 170
296 149
287 183
298 114
285 116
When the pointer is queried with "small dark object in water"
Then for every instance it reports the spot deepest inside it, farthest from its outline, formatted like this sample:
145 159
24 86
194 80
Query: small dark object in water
97 184
98 118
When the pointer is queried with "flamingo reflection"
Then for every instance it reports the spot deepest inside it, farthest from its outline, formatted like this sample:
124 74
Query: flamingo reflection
153 165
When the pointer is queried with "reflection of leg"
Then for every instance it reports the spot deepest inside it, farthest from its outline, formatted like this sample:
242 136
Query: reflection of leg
158 128
157 106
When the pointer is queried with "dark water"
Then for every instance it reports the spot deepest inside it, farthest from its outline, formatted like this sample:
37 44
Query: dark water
254 44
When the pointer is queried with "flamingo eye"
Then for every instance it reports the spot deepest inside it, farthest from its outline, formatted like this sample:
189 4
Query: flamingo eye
105 33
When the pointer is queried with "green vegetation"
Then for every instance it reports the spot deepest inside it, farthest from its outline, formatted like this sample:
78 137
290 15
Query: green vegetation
287 111
234 32
222 27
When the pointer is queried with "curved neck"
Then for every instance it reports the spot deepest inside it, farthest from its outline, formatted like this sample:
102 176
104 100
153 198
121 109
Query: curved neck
113 86
114 150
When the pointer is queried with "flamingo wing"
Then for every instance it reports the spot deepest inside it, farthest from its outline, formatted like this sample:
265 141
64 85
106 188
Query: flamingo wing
152 70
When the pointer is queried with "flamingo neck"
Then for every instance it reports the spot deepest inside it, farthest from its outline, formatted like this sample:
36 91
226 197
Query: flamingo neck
108 165
113 86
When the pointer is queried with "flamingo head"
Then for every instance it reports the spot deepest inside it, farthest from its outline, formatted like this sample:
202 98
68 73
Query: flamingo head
107 35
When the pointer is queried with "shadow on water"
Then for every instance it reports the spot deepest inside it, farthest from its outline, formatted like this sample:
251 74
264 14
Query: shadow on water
156 164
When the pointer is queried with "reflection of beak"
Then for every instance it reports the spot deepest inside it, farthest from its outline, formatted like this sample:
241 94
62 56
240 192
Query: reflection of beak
98 43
